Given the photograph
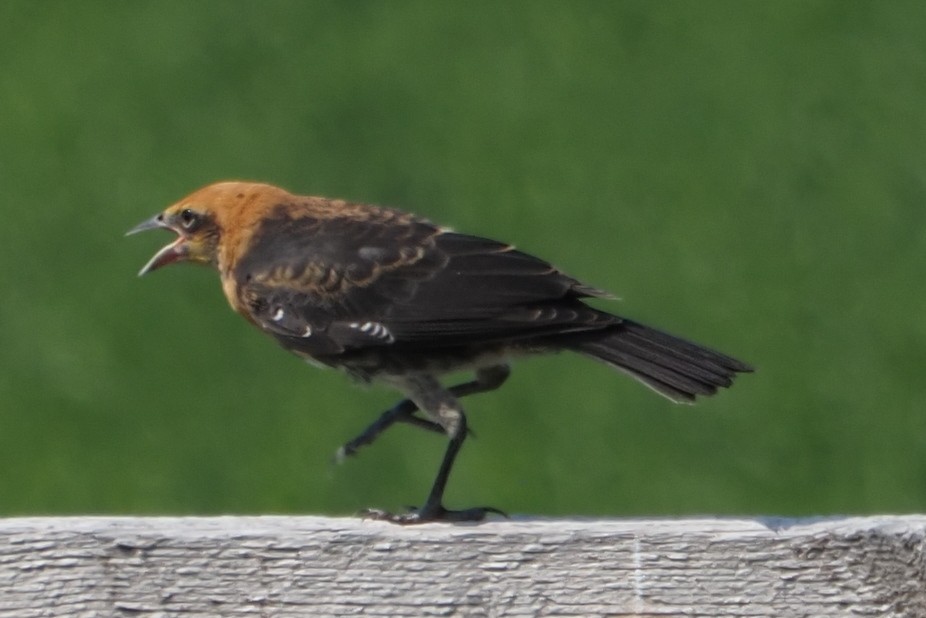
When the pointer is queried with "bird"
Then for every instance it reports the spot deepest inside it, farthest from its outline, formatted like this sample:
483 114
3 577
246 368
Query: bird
387 296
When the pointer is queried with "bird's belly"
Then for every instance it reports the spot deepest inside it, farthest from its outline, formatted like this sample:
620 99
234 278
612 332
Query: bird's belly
390 363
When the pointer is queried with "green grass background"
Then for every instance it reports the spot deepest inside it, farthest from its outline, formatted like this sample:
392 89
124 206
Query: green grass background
751 175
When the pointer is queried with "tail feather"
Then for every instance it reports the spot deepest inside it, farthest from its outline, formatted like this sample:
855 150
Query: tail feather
675 368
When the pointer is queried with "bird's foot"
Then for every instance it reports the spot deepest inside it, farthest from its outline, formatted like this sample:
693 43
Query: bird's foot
345 451
429 514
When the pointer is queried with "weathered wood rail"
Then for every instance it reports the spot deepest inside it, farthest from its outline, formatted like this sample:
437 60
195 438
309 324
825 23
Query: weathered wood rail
317 566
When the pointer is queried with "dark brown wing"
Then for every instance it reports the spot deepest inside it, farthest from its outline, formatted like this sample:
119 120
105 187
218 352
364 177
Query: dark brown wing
327 284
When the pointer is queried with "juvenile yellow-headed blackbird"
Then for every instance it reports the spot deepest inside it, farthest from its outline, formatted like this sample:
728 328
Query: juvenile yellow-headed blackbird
388 296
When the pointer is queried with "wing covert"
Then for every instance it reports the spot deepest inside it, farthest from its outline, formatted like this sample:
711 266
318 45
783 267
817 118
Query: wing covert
330 284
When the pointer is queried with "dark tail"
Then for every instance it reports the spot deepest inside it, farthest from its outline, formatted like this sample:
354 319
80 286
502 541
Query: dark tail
673 367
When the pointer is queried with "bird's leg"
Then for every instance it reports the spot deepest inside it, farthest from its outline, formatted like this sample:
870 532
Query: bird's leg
487 379
443 407
402 411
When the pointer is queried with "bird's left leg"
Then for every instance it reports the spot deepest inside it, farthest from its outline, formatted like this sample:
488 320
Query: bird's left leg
404 411
443 408
487 379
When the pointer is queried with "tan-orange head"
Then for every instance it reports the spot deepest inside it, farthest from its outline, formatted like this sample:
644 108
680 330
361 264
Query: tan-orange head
209 221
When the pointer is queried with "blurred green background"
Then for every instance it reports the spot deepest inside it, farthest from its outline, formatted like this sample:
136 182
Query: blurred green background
751 175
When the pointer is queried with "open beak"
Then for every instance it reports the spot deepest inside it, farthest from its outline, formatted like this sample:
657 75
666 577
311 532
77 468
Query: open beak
169 254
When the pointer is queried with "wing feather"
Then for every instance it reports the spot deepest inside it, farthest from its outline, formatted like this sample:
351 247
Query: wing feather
329 284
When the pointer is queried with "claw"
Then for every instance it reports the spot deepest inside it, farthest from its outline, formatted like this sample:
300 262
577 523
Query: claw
438 514
341 455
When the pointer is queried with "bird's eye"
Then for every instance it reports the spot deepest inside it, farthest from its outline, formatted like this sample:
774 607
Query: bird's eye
188 218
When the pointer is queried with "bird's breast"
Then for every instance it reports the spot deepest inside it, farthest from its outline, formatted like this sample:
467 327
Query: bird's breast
230 289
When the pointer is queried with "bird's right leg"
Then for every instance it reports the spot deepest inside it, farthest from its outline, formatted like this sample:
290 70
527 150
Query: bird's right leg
487 379
444 409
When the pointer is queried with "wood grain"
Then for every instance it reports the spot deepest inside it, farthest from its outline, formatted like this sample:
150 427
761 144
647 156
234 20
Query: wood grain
319 566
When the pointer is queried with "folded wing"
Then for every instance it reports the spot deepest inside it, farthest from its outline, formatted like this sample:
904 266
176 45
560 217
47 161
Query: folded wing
330 284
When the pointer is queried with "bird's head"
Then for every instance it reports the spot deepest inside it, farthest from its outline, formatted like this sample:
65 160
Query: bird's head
201 219
197 236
